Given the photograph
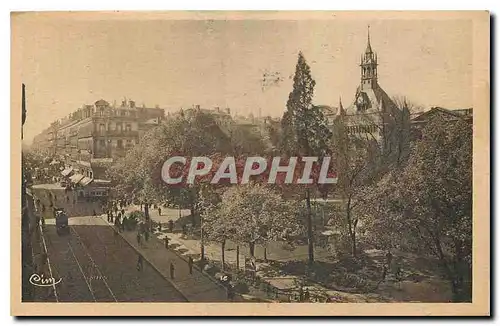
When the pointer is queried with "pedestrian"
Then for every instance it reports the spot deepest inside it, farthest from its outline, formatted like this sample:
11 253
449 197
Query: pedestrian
139 263
172 270
166 242
170 226
159 226
306 295
67 199
190 263
120 225
94 213
159 211
124 223
384 272
230 292
184 229
388 258
139 238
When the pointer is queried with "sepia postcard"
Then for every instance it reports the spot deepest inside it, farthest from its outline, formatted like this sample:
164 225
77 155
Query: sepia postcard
250 163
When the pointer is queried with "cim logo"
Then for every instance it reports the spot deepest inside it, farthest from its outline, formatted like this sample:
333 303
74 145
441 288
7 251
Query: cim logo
41 280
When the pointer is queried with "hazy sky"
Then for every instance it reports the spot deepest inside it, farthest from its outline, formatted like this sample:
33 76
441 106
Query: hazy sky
67 63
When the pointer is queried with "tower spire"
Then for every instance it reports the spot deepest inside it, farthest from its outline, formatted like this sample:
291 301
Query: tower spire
368 46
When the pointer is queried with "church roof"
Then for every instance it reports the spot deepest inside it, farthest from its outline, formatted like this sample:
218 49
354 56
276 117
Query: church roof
376 97
445 113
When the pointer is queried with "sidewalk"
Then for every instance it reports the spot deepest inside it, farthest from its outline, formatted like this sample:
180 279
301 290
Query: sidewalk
196 287
191 247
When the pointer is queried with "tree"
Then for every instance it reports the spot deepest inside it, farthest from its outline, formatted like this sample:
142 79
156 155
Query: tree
216 227
258 215
356 160
428 205
304 130
367 147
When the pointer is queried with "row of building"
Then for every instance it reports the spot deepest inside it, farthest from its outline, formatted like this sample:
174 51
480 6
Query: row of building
89 139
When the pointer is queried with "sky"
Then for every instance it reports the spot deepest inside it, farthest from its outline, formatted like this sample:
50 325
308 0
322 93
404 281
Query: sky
68 62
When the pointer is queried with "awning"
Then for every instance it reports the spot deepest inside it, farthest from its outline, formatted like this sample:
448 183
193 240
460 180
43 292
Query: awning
67 171
85 181
76 178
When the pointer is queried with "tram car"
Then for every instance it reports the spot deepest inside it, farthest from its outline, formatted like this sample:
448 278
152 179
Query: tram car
62 226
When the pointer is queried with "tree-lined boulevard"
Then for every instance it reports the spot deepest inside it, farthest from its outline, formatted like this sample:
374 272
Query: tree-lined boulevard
396 225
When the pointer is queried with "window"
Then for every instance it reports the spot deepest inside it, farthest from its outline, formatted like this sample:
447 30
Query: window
119 143
119 126
102 143
128 127
101 111
129 143
122 113
102 127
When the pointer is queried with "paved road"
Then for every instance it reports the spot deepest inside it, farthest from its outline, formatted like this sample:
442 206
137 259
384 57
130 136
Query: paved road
96 265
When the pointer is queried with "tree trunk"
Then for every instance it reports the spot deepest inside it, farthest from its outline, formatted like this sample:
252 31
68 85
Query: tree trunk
353 244
265 253
252 249
192 196
223 245
202 240
310 239
237 257
352 229
146 210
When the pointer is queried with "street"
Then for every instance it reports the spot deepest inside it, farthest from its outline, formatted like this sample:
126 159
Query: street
97 265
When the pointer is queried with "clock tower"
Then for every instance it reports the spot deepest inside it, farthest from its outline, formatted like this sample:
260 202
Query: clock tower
368 67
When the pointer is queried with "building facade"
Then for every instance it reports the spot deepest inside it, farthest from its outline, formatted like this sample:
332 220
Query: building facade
92 137
96 131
